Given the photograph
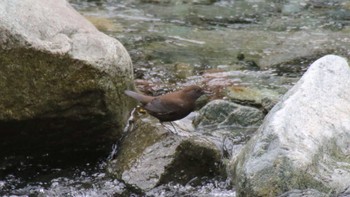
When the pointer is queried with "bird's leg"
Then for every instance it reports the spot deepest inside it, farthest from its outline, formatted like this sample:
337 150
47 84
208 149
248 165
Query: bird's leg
173 127
172 131
166 128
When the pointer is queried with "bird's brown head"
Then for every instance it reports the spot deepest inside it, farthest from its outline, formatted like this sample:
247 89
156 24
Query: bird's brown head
193 92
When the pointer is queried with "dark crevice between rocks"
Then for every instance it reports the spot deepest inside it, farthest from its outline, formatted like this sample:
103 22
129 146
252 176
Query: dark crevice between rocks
193 164
54 134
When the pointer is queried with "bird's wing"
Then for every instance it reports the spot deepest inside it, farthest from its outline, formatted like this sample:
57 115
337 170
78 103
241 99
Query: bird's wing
144 99
163 107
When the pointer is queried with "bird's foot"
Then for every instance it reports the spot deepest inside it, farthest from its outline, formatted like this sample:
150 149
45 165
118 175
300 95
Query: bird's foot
171 130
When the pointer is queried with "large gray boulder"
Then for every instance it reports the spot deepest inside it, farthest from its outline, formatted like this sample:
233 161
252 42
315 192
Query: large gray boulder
304 140
59 73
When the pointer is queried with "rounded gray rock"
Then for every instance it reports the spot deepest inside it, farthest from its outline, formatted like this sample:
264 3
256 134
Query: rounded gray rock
60 74
304 140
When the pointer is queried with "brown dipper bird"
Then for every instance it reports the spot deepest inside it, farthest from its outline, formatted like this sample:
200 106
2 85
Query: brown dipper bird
171 106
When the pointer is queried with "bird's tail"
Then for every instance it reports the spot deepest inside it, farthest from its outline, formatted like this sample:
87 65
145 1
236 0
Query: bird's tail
141 98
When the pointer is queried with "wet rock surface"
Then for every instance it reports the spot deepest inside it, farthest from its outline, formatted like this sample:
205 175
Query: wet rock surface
150 155
303 142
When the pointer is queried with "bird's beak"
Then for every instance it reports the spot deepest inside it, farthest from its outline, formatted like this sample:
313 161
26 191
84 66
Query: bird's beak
207 92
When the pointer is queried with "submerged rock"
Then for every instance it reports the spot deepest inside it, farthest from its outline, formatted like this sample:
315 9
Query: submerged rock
260 89
224 114
304 141
150 156
229 125
61 80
